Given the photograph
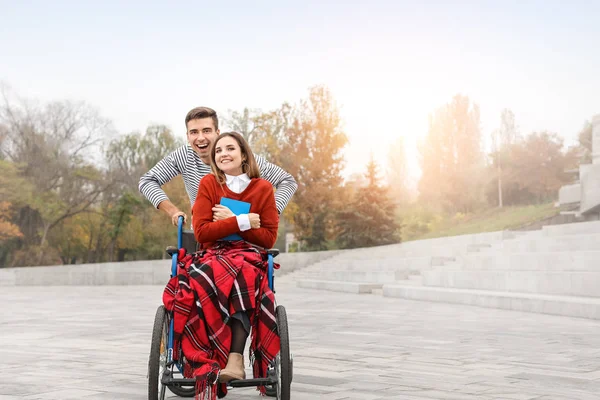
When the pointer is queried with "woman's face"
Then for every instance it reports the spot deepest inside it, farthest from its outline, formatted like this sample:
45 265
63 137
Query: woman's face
228 156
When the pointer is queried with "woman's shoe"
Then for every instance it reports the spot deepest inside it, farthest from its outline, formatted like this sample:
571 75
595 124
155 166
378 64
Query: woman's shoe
234 370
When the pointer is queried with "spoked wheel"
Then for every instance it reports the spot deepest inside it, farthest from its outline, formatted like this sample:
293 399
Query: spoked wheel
157 362
283 361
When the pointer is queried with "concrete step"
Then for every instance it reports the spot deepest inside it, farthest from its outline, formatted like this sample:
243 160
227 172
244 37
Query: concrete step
406 282
339 286
568 306
577 228
375 276
444 246
539 282
553 243
531 261
385 264
477 247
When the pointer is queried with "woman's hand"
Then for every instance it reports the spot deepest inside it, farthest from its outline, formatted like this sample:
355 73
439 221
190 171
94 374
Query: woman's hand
221 212
254 220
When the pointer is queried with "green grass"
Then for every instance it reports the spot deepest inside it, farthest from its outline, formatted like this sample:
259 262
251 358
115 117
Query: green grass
489 220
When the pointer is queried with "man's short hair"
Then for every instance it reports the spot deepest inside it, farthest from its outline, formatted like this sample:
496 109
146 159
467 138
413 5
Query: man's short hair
202 112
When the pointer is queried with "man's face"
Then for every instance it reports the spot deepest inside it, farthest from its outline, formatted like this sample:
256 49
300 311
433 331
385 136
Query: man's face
200 134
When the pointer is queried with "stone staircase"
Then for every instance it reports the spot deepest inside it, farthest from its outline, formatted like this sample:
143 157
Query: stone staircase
367 270
554 270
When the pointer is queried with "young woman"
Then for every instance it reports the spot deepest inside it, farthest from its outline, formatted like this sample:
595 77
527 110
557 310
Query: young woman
223 290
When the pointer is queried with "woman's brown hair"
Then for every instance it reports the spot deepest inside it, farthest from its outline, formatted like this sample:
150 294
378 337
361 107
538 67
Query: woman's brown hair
249 165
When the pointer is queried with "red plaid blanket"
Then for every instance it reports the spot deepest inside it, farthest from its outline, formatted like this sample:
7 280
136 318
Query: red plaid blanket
209 288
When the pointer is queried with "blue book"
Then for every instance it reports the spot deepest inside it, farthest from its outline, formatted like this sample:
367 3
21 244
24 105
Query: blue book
238 208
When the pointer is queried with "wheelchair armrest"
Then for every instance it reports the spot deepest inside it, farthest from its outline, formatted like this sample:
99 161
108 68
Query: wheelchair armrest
273 252
171 250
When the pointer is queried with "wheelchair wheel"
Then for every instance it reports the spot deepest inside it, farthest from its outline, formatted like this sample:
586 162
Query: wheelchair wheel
283 362
157 362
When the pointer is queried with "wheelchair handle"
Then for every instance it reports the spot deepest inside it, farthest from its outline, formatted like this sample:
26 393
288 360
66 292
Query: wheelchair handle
179 245
270 272
179 232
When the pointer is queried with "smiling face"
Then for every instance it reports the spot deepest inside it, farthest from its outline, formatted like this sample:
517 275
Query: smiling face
200 134
228 156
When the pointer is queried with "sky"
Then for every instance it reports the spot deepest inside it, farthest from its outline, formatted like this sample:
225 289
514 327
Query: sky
388 64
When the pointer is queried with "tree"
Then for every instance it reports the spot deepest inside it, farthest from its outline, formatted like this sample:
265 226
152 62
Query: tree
542 156
398 172
144 236
52 145
451 157
244 122
132 155
70 238
119 217
8 230
264 131
16 193
585 143
369 219
313 146
502 140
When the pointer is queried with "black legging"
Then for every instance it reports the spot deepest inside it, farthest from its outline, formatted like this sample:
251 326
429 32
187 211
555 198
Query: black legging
239 332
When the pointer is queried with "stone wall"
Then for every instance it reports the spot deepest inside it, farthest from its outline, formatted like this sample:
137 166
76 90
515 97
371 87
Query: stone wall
150 272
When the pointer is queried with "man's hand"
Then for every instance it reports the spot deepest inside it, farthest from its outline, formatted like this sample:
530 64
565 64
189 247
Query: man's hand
172 211
221 212
175 217
254 220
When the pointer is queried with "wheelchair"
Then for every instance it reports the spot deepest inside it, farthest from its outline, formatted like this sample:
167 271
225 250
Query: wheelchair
165 373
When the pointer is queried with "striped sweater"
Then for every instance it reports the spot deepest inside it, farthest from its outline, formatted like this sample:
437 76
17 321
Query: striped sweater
185 161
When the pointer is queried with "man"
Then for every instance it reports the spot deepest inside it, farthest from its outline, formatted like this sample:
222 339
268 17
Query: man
192 161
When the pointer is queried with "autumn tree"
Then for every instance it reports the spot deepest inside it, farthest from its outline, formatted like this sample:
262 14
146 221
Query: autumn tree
584 138
52 144
265 131
313 148
451 157
536 168
15 192
502 140
129 219
130 156
398 172
8 230
244 122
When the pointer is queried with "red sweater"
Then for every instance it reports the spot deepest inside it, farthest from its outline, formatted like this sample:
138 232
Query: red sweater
259 194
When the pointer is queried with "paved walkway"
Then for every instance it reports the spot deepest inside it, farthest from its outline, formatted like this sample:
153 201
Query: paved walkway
92 343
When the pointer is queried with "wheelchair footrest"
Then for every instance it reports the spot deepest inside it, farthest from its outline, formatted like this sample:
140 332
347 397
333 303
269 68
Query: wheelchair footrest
251 382
168 380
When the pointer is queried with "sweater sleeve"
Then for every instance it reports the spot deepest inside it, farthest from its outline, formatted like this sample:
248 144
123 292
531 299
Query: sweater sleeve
151 182
205 229
266 235
284 183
